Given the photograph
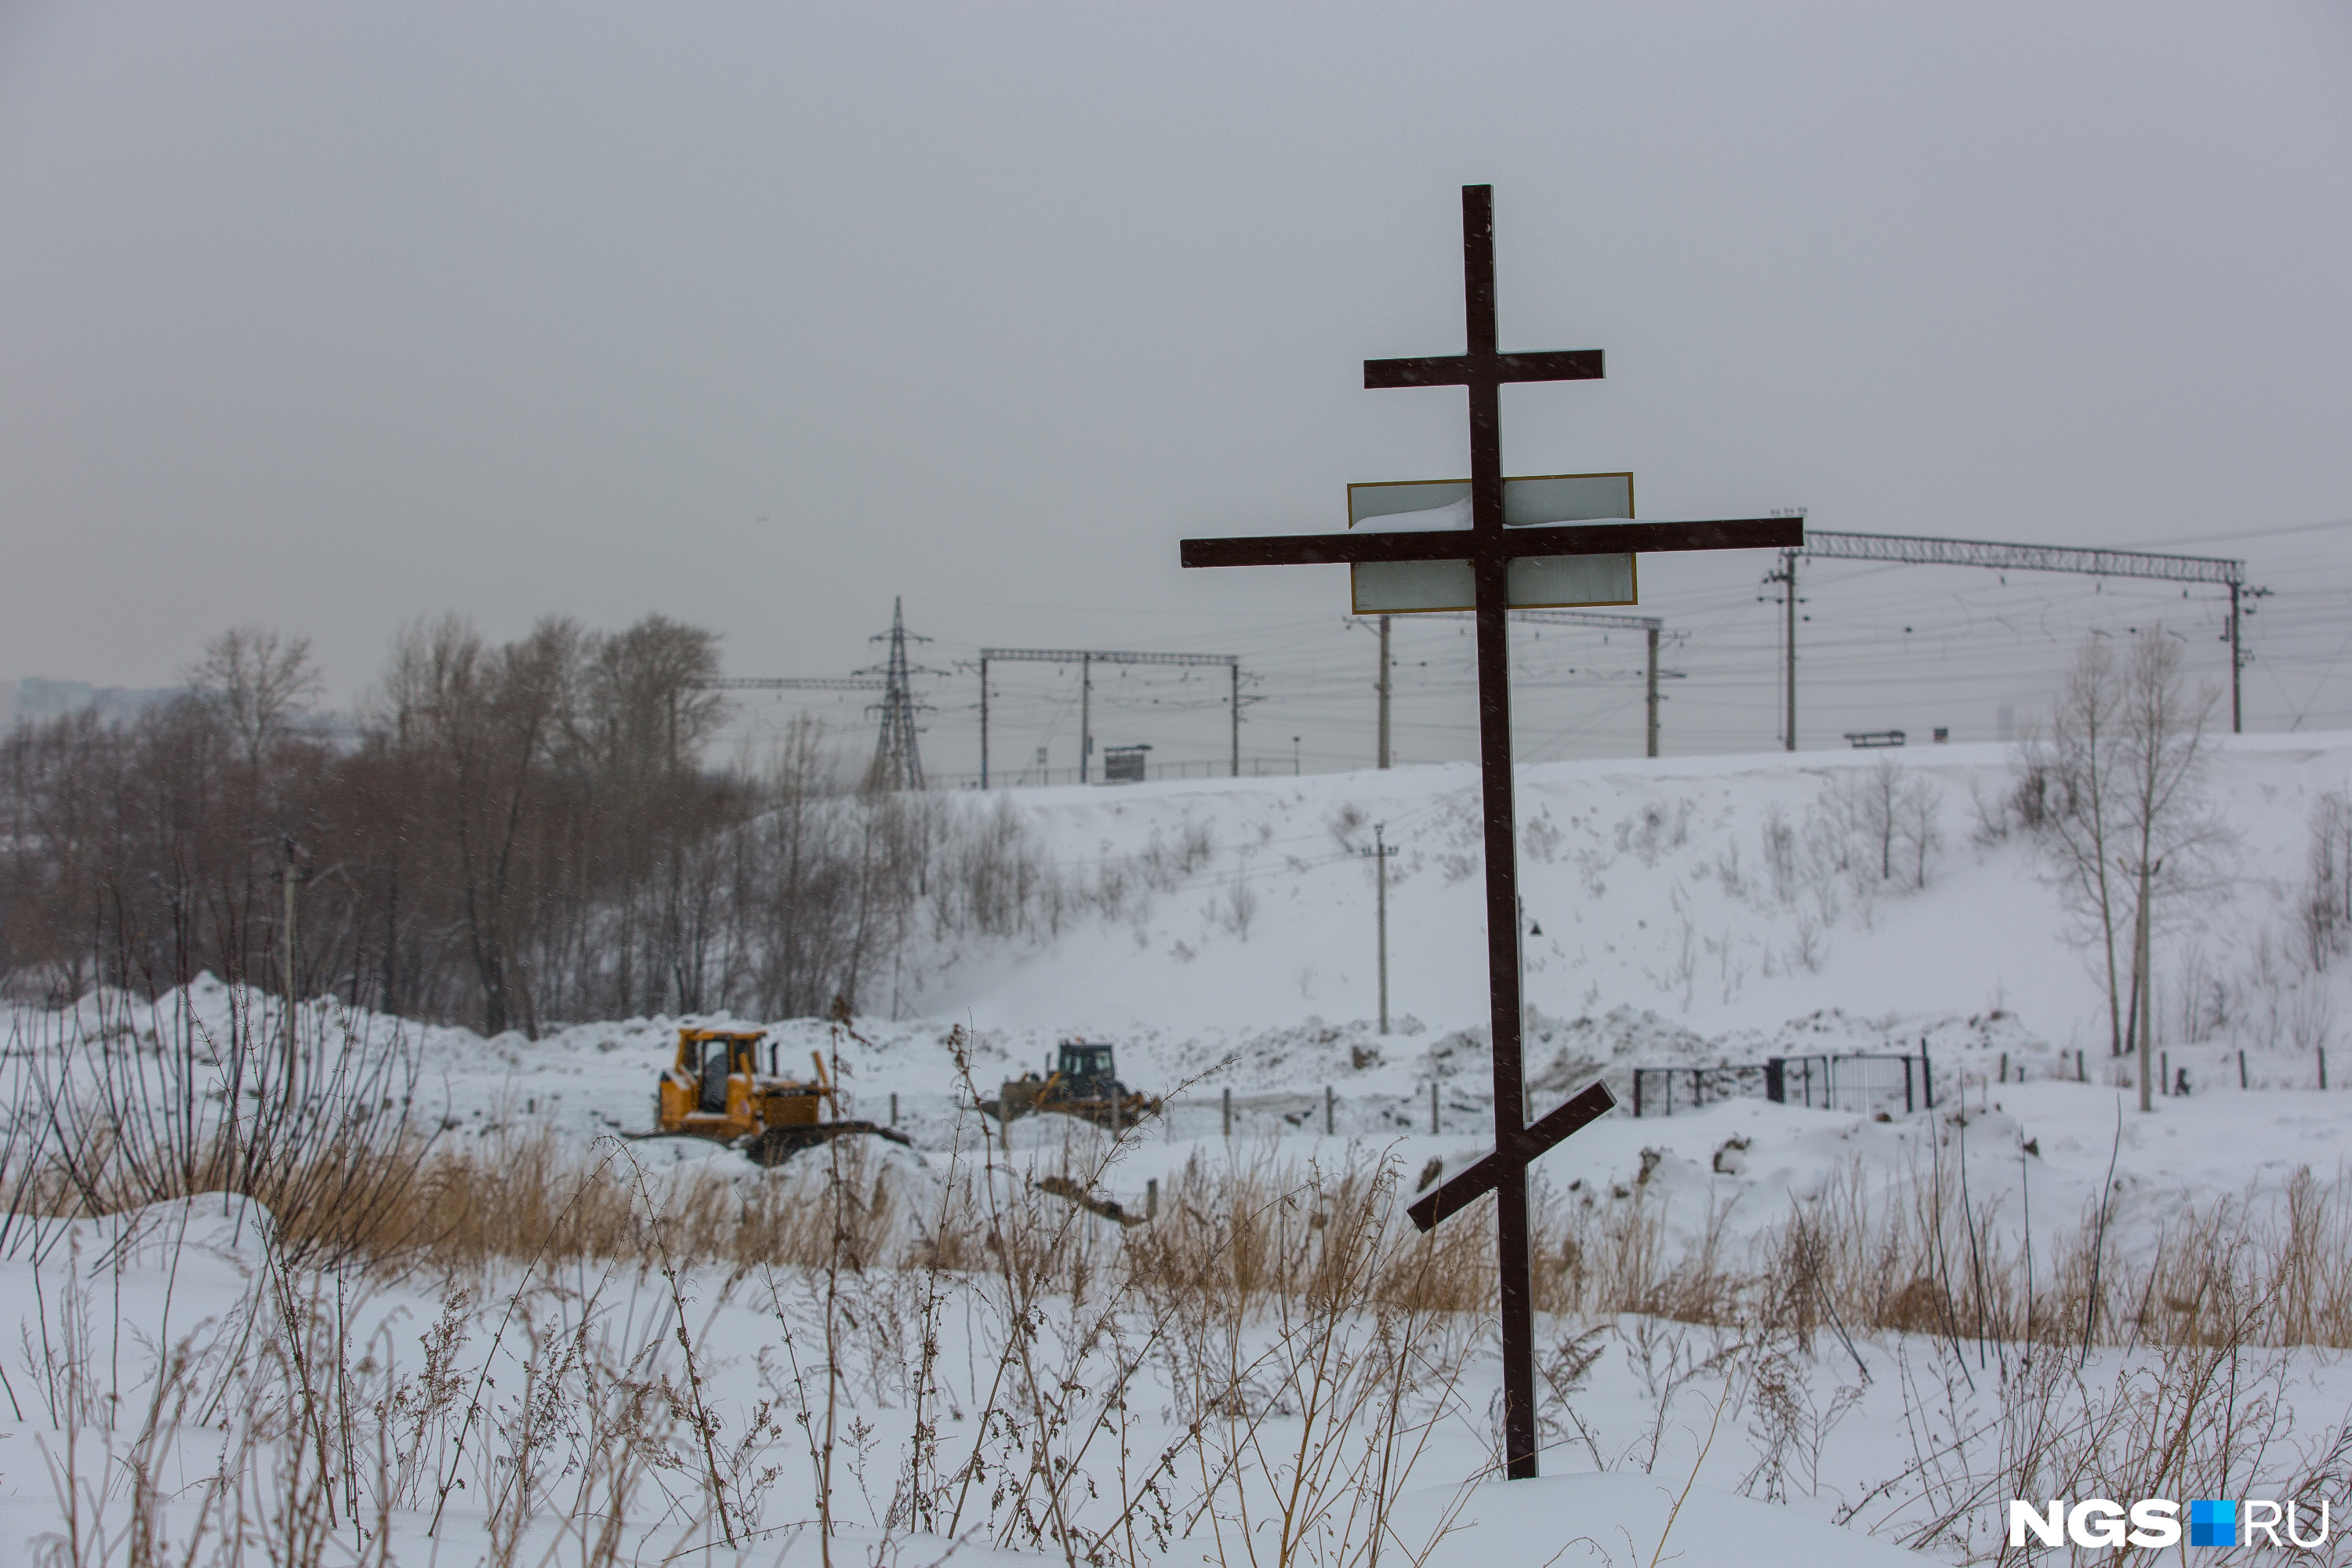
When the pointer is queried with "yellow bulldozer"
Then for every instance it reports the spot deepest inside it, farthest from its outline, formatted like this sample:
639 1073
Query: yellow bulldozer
714 1089
1081 1081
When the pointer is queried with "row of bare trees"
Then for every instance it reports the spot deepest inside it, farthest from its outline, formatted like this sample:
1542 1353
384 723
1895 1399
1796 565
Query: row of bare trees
516 833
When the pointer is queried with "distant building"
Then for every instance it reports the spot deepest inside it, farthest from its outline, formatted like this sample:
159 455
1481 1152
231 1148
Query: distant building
37 697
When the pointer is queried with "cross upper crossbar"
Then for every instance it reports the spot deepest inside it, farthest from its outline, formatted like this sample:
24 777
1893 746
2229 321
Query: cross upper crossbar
1469 370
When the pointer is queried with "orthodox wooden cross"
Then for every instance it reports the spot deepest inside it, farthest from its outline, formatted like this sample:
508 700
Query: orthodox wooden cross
1489 547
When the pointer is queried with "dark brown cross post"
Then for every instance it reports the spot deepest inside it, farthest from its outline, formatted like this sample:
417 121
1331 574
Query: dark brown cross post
1489 548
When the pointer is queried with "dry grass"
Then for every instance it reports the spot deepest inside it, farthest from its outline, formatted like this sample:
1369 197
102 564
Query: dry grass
1916 1256
1911 1258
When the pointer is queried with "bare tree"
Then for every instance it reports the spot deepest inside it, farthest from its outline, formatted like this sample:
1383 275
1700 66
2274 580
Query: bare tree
2328 893
486 718
256 677
520 833
2166 823
2076 770
1877 814
651 691
2124 823
1917 811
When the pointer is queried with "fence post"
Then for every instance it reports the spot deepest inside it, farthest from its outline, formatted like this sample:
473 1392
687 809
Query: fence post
1329 1116
2322 1067
1432 1108
1229 1113
1927 1073
894 1111
1637 1092
1151 1198
2164 1072
2241 1069
1776 1082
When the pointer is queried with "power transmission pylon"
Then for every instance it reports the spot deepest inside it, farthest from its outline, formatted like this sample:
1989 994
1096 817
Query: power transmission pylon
897 764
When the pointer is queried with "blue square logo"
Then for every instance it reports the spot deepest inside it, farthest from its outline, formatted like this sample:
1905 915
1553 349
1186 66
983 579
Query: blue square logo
2212 1523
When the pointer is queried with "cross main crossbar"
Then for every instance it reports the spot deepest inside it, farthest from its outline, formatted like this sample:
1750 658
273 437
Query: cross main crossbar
1466 544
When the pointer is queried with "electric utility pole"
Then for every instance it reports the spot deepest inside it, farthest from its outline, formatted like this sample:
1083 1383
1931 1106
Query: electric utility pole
1380 851
1650 625
1786 580
1384 762
897 764
2144 987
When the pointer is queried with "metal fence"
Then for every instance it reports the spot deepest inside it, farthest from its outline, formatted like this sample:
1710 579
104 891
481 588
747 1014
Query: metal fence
1866 1082
1036 778
1660 1091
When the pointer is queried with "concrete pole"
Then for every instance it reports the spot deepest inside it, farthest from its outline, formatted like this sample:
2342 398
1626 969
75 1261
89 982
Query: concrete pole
1789 566
1381 902
1654 693
2237 708
2147 1000
1235 709
1384 714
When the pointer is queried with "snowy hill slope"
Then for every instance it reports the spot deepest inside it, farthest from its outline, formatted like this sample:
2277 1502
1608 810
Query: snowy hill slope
1222 935
1646 884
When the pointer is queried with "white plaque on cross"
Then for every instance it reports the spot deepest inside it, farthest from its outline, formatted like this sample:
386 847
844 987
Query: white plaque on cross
1536 582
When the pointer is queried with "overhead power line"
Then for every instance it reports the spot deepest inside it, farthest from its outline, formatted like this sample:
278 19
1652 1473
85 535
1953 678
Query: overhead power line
1086 659
1648 626
1910 549
790 683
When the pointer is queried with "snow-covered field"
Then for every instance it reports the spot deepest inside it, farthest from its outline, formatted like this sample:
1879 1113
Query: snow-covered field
1225 945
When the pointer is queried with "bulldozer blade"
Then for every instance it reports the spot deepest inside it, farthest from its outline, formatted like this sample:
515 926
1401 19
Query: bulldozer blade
778 1145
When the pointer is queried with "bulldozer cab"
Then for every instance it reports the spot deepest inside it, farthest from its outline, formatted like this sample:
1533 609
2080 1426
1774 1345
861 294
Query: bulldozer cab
1087 1070
707 1058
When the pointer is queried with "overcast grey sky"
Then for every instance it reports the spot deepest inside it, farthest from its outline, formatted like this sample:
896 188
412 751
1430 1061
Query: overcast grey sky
334 315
